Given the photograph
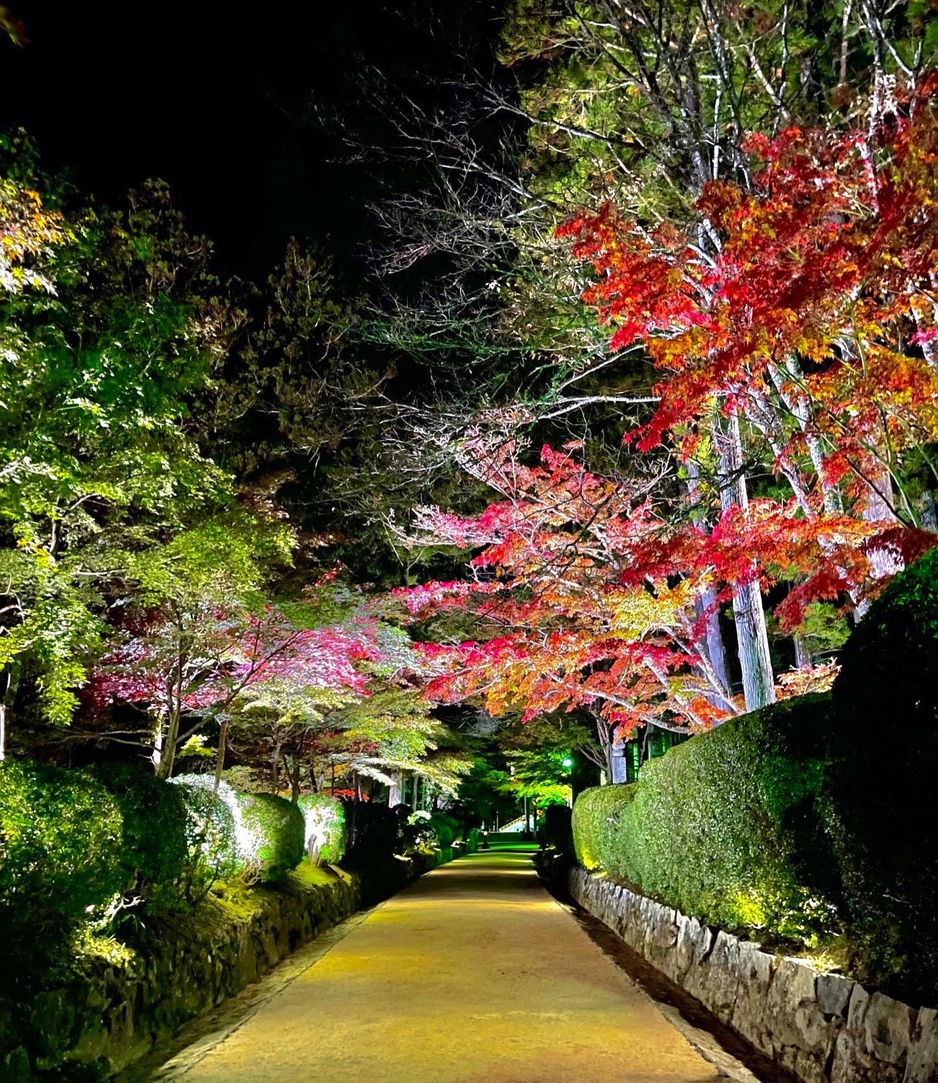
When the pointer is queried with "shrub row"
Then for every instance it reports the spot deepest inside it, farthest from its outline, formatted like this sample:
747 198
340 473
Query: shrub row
724 827
75 845
808 817
883 784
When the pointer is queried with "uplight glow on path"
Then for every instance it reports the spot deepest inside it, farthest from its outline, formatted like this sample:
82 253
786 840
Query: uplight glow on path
474 974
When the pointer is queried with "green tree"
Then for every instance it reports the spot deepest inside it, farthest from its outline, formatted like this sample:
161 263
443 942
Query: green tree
106 352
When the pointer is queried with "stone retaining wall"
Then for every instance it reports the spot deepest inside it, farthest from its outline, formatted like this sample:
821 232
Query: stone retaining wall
824 1028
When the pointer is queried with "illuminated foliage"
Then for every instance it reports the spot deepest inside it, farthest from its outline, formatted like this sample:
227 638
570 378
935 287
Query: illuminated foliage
816 302
575 613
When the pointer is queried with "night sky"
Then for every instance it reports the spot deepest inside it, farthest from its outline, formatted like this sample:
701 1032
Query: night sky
243 115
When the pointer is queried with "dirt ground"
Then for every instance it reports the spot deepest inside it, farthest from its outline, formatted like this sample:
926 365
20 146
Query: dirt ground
474 974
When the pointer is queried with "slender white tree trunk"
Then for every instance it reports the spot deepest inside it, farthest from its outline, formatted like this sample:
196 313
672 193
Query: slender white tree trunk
878 508
707 607
395 793
752 638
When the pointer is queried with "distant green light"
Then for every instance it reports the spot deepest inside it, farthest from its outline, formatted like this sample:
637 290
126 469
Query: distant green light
568 762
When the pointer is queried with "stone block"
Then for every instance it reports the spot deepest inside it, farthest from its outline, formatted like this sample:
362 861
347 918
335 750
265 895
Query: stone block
661 938
833 995
751 1016
801 1038
719 979
874 1045
922 1065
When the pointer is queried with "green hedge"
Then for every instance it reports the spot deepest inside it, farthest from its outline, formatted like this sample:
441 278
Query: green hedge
445 828
60 845
210 832
725 827
557 831
274 836
883 784
324 827
72 843
153 844
374 833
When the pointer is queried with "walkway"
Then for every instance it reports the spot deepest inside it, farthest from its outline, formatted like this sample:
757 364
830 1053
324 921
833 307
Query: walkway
474 974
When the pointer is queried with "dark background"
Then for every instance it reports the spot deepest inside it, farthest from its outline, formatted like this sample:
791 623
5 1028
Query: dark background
256 120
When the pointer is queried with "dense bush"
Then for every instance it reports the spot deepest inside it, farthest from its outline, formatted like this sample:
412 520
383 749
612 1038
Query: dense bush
725 827
445 829
883 783
153 843
557 831
374 833
274 836
60 839
211 832
325 830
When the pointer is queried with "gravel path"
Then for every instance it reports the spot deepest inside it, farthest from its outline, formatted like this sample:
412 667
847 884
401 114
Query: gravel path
474 974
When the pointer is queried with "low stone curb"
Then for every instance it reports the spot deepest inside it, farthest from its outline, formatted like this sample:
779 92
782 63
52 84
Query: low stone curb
824 1028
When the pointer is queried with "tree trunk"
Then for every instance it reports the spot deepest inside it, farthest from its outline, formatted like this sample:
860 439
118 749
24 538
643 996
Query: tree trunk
877 508
706 604
606 734
618 768
394 793
753 645
752 638
275 767
10 682
220 756
295 780
164 746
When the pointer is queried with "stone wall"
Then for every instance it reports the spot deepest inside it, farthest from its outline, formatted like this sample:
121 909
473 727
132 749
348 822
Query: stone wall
116 1012
825 1028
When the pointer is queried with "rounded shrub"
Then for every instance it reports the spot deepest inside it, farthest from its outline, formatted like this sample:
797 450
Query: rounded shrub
445 828
374 832
558 828
211 832
324 827
60 844
882 789
275 835
154 849
725 827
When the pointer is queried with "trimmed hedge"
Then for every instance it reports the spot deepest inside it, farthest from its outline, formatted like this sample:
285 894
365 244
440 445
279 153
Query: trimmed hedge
882 796
445 828
725 827
210 831
557 831
154 849
808 817
324 827
60 845
72 843
274 836
374 833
